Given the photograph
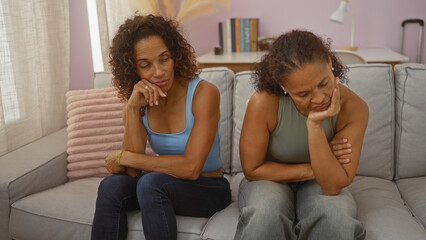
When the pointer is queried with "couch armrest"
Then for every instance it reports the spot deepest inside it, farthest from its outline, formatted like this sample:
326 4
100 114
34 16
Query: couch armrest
32 168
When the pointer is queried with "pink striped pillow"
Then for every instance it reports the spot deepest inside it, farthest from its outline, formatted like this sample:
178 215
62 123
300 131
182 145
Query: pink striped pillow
95 128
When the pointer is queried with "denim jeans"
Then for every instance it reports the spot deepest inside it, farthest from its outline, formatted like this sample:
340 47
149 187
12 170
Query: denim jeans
160 197
274 211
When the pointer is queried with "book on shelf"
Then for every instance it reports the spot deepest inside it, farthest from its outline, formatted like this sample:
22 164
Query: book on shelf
239 34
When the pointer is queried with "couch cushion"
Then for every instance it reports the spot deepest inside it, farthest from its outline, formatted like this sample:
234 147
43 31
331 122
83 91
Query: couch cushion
413 191
410 81
223 224
42 161
95 128
66 212
374 83
243 90
223 79
382 210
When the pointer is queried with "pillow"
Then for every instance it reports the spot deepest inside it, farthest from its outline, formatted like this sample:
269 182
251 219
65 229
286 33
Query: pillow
95 128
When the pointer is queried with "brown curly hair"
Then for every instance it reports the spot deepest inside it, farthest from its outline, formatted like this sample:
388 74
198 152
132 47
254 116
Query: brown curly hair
290 52
122 61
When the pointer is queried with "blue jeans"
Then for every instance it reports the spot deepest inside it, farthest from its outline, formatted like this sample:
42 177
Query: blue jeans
160 197
271 210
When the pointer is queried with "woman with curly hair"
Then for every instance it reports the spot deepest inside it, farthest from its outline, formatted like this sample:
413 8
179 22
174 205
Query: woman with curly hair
155 72
308 131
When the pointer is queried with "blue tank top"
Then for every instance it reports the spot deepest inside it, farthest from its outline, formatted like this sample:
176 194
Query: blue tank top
175 143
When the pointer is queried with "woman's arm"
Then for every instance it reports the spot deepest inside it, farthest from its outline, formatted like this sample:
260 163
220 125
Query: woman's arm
135 135
259 121
351 124
205 108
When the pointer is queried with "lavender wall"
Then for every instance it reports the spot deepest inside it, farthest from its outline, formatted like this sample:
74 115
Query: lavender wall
377 23
81 66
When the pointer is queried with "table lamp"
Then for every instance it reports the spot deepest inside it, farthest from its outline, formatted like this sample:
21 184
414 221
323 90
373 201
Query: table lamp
338 16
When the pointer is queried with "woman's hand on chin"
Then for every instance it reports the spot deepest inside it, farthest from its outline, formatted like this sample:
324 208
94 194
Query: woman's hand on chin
145 93
332 110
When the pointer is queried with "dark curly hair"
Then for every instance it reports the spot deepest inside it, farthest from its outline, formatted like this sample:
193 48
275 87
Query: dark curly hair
291 51
122 61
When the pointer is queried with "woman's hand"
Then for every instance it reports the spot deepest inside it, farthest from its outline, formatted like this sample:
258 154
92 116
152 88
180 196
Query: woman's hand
145 93
332 110
111 163
341 148
132 172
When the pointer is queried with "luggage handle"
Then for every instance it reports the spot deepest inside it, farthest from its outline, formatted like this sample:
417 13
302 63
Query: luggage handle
416 20
419 47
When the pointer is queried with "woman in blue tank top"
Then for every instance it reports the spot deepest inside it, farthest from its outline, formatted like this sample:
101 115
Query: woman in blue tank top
308 131
155 72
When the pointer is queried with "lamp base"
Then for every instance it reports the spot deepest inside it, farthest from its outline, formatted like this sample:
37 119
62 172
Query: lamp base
348 48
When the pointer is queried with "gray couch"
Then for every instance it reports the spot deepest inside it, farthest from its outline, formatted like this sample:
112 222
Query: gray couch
38 202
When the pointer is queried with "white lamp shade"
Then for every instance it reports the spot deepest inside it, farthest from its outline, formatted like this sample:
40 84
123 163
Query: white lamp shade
339 15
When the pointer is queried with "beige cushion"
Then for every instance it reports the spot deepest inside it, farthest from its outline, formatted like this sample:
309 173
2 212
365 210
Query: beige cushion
374 84
223 79
95 128
243 90
410 127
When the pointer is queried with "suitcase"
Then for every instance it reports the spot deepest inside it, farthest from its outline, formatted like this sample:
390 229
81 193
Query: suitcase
419 46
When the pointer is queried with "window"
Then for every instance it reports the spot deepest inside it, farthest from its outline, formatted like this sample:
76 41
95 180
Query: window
8 94
98 65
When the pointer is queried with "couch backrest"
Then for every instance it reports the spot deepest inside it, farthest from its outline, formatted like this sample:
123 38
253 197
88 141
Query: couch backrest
223 79
374 83
410 132
243 90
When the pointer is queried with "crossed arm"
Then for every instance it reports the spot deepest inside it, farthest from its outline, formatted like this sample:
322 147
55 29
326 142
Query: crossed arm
333 164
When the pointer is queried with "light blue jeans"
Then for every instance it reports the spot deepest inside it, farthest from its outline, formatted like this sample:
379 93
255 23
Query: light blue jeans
273 211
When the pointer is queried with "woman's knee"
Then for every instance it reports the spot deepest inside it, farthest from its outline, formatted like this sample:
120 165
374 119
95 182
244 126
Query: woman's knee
113 189
151 184
266 201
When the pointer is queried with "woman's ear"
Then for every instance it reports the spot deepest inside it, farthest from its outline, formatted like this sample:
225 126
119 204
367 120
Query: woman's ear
283 88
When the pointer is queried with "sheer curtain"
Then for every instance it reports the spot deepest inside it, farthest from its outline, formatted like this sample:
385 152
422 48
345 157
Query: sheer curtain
111 14
34 70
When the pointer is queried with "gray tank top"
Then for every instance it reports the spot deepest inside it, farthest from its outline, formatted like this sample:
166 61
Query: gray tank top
288 143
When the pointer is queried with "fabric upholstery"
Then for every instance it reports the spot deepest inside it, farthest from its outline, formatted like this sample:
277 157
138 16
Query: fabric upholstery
382 210
243 90
374 84
410 81
95 128
223 224
74 220
413 191
22 167
223 79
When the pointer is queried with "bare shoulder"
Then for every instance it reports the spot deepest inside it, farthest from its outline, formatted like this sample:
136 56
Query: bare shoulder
263 106
206 98
206 87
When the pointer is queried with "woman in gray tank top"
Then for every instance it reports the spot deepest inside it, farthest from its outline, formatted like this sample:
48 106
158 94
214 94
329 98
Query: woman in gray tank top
300 145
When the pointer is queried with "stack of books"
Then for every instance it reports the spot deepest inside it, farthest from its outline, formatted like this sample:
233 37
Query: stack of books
238 34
